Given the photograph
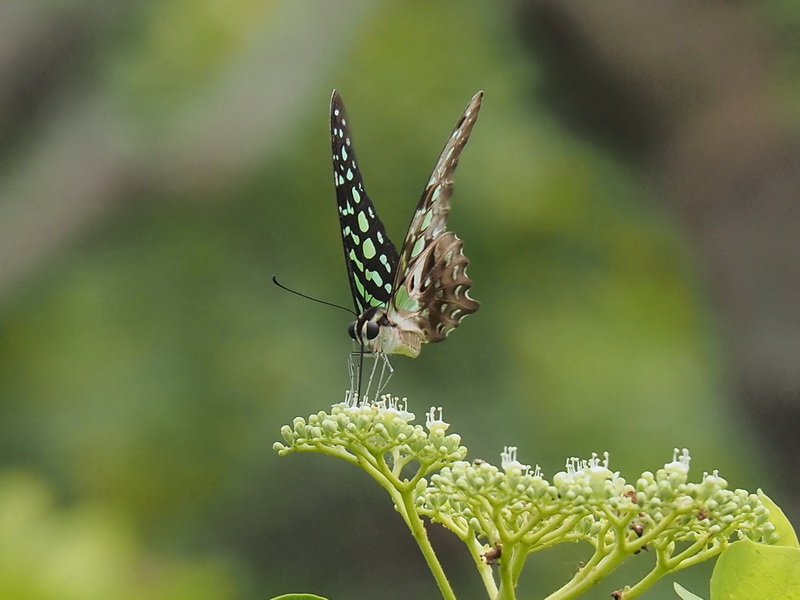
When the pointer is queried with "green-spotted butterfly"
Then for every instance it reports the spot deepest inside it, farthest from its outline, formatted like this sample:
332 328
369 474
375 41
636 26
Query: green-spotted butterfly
421 294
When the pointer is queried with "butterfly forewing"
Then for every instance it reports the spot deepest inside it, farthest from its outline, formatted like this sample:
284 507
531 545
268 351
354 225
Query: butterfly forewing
370 256
431 285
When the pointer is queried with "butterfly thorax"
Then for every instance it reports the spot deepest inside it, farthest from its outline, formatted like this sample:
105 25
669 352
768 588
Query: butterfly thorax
378 335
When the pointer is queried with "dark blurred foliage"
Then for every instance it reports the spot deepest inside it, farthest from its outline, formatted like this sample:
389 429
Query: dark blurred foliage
160 161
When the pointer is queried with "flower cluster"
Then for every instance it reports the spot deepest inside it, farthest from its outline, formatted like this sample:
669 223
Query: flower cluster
587 501
368 431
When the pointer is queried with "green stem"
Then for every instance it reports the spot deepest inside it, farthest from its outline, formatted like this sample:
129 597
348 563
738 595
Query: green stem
484 570
402 496
701 556
674 562
405 505
517 562
507 583
550 522
553 533
653 534
648 580
591 574
666 564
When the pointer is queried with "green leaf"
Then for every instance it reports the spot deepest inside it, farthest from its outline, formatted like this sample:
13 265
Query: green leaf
788 536
299 597
750 571
684 593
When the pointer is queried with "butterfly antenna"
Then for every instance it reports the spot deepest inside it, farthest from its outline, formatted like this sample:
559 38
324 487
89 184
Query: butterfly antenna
283 287
344 308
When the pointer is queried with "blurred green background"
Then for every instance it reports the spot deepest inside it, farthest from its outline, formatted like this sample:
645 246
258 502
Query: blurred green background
160 161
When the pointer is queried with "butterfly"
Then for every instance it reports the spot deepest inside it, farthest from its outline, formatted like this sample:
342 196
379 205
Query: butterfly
419 295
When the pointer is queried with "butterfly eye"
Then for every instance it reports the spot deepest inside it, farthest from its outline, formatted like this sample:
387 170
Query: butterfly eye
372 329
351 330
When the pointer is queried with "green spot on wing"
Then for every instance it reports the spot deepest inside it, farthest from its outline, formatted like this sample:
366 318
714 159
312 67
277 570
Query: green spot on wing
419 245
426 220
363 224
359 287
355 260
403 301
369 249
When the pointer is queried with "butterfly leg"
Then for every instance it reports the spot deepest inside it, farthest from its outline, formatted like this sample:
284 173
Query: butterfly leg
373 370
352 372
355 368
386 374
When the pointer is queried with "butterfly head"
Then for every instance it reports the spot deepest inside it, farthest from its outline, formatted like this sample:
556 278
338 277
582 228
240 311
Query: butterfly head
367 326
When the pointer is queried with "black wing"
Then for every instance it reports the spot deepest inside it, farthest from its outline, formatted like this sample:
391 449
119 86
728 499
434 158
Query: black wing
369 254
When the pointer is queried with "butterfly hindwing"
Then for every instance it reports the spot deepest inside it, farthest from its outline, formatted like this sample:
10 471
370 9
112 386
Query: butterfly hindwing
431 287
370 256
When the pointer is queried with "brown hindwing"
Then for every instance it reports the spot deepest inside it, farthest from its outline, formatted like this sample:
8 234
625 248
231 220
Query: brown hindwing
438 281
